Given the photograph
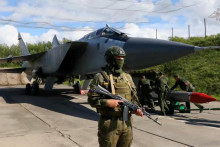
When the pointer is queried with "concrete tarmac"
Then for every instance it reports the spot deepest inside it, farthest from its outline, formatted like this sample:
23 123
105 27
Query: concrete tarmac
63 119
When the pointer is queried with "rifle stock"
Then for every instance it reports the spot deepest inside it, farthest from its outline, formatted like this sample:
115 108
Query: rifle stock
100 90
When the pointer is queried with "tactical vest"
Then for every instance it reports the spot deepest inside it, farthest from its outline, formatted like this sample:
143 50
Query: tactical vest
121 88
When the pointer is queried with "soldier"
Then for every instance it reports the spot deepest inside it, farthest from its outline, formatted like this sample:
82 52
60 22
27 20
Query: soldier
188 87
77 87
112 129
145 89
161 89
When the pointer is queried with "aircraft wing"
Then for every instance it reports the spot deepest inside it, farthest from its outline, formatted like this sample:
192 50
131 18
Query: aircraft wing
21 58
12 70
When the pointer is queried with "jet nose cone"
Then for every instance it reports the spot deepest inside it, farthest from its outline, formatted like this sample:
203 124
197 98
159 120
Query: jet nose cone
146 52
201 98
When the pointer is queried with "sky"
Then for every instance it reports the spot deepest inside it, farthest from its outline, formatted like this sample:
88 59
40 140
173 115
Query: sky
40 20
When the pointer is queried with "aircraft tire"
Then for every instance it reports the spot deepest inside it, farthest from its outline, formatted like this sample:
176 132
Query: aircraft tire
35 88
28 89
171 109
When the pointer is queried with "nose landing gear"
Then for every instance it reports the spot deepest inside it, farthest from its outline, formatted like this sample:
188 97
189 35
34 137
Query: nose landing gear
34 88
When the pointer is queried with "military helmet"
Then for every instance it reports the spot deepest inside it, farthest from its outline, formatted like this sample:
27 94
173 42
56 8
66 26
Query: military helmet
176 76
114 51
160 73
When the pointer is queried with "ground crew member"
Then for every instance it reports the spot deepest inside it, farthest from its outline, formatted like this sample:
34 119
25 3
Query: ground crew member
145 96
188 87
112 129
77 87
162 89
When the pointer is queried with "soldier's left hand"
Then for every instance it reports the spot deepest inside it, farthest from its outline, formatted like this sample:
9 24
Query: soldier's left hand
139 113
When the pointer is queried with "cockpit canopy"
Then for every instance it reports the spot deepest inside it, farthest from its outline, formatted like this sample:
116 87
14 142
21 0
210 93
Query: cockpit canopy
107 32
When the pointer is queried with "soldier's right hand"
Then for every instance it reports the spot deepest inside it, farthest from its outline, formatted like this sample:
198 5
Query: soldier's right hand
113 103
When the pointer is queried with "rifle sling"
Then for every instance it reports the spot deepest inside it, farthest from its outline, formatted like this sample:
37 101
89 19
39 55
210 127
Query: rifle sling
112 84
109 78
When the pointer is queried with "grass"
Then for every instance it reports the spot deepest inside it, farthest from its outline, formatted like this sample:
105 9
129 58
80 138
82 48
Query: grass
200 68
217 97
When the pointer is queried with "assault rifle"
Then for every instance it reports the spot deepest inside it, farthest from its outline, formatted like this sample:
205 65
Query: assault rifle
127 104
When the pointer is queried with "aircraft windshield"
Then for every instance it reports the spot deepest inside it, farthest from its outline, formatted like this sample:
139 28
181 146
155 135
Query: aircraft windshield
107 32
114 34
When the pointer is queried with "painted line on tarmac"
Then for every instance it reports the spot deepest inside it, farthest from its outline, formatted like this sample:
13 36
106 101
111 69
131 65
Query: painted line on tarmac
62 134
184 121
163 137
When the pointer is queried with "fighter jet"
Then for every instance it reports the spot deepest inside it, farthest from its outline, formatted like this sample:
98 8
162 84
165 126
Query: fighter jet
86 56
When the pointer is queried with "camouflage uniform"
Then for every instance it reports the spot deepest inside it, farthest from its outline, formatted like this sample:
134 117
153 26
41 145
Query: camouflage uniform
186 86
112 130
161 88
145 93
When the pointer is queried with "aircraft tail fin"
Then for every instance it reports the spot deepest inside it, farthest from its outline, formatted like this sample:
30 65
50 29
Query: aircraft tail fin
23 48
55 42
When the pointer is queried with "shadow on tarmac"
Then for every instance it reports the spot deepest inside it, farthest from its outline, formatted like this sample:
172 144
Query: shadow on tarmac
197 121
55 100
58 101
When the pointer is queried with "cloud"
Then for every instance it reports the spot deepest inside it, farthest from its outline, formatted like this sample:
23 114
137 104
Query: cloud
8 35
48 36
147 32
56 15
107 10
65 11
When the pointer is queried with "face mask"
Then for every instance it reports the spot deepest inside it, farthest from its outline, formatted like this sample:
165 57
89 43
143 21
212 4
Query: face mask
118 64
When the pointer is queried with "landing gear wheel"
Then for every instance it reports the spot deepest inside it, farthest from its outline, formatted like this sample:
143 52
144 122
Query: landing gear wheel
35 88
171 109
171 106
28 89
